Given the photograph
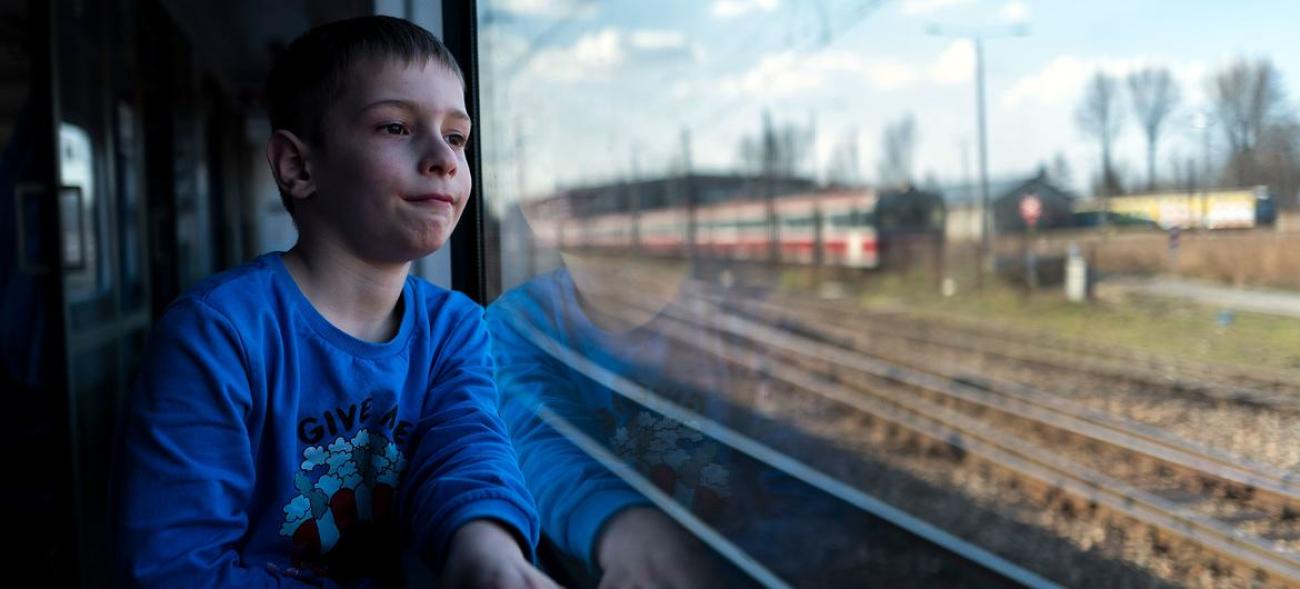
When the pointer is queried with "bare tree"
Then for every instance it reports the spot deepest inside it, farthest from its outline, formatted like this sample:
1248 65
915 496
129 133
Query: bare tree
1099 116
1249 101
898 146
1059 171
1155 95
778 150
1182 173
844 169
1278 160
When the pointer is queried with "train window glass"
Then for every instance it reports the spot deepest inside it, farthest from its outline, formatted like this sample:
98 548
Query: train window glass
86 210
798 222
193 207
130 214
76 202
1044 333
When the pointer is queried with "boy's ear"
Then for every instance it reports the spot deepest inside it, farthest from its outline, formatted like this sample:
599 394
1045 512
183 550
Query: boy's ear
290 164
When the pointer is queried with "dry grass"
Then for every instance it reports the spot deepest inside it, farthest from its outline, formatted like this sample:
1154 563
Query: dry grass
1257 258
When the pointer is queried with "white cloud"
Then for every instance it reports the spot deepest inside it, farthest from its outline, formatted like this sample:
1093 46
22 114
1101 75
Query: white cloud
1061 81
777 74
734 8
598 54
680 90
889 74
1015 11
547 8
657 39
593 55
924 7
1191 78
603 48
955 65
788 73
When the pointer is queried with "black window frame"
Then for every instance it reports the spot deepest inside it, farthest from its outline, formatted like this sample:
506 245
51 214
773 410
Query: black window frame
468 259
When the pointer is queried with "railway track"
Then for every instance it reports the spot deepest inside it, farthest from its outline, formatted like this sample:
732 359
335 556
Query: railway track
1253 433
1271 389
1199 498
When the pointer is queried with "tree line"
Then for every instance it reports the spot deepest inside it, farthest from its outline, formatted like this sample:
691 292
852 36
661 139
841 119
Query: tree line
1248 111
1255 129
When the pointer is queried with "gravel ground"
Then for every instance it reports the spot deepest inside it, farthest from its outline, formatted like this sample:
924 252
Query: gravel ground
1254 434
1068 542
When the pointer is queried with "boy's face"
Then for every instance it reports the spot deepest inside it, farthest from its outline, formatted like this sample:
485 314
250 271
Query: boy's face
391 176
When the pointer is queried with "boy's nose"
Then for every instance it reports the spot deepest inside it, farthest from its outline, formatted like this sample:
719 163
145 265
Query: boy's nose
439 159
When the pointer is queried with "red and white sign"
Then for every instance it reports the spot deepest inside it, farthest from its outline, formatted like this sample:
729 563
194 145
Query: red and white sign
1031 209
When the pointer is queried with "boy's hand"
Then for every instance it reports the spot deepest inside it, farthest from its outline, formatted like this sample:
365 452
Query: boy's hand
485 556
642 547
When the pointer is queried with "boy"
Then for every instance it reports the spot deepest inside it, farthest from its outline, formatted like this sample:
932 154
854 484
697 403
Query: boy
297 414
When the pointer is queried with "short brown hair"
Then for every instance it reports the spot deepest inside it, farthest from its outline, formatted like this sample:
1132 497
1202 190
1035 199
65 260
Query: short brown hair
312 72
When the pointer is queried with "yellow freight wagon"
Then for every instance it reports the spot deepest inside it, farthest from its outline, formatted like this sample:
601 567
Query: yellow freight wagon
1237 208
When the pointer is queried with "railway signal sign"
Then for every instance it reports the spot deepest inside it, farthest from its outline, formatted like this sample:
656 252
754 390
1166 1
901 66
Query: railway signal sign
1031 209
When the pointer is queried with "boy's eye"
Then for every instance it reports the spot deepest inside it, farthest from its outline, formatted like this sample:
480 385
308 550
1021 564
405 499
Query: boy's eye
395 129
457 140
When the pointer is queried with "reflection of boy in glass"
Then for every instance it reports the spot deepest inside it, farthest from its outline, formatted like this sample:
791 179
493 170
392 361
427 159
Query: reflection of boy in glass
297 415
611 314
587 511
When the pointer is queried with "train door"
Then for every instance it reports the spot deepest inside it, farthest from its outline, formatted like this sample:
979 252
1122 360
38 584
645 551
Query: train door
106 286
76 292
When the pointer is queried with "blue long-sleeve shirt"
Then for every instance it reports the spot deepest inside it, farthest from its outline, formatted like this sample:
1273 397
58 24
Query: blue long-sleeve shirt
259 438
576 495
756 506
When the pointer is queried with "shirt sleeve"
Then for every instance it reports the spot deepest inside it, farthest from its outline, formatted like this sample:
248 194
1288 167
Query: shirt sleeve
463 466
184 471
575 494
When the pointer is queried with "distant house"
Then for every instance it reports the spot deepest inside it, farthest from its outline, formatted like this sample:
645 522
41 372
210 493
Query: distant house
1057 205
964 207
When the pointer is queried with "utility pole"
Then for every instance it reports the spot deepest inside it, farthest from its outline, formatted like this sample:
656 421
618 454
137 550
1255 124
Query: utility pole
977 37
521 188
1202 121
521 162
689 187
633 196
769 151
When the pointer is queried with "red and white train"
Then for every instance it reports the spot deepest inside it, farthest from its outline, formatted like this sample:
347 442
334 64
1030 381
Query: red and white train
850 228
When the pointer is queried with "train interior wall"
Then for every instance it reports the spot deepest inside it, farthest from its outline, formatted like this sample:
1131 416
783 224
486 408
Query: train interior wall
131 166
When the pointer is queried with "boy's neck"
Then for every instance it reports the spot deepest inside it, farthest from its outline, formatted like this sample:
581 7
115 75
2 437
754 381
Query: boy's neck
356 296
611 298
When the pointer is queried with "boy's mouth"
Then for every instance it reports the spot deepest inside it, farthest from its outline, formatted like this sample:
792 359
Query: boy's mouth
432 197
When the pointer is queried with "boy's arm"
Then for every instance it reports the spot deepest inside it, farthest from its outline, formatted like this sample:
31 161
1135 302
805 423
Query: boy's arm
588 511
576 496
183 469
463 467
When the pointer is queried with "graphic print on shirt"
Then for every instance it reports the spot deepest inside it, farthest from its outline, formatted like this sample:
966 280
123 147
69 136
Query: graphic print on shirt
677 459
341 523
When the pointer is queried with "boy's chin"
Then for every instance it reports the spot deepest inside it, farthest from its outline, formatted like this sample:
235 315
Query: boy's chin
425 249
429 245
410 251
410 243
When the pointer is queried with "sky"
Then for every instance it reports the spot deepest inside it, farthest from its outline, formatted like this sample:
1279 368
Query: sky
576 92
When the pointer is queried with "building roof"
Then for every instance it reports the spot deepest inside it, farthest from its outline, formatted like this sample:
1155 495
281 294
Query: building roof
1003 187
